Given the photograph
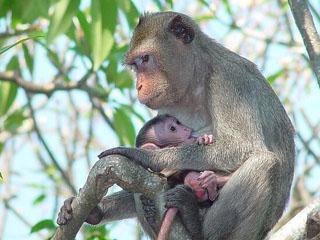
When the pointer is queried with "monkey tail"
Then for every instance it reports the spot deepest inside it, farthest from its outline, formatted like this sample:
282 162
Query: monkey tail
167 223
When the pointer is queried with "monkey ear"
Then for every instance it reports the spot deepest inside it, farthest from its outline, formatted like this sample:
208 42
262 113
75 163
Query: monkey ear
181 30
149 146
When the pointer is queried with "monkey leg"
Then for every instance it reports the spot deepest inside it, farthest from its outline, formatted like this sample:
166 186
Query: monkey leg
183 198
117 206
251 202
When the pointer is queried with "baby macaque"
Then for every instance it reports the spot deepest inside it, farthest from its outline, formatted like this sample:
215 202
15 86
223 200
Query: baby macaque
166 131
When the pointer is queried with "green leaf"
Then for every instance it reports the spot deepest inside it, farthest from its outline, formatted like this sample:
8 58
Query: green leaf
28 58
13 64
130 10
61 18
1 146
1 178
6 48
14 121
274 76
159 5
205 3
104 18
33 9
8 93
206 17
43 224
124 127
170 3
39 199
227 6
96 233
85 26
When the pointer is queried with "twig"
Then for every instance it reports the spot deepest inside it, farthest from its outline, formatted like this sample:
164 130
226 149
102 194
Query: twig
308 31
309 150
99 107
45 145
89 137
20 32
51 87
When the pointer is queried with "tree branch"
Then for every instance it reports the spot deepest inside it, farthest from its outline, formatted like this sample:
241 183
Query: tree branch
51 87
46 147
16 33
302 225
106 172
308 31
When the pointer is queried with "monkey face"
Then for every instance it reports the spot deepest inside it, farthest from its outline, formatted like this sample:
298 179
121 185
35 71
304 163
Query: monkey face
172 132
161 54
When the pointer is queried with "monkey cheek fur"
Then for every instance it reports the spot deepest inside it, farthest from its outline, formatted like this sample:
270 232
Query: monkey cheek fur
151 100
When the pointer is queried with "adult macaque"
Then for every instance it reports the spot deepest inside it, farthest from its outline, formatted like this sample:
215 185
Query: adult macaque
182 72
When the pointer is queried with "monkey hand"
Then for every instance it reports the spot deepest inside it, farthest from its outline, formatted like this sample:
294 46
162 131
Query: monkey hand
212 182
65 213
205 139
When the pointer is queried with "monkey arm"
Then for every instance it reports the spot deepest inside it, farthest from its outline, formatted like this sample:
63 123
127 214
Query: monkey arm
224 156
117 206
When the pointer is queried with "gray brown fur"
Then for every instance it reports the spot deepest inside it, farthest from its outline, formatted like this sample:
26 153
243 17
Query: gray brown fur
213 90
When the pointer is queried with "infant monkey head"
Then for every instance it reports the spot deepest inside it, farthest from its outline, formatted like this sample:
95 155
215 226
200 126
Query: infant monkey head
164 131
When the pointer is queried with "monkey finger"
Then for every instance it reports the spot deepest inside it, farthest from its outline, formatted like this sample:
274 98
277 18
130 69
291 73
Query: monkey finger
207 140
67 216
221 181
67 204
200 140
210 137
207 181
61 221
205 174
212 193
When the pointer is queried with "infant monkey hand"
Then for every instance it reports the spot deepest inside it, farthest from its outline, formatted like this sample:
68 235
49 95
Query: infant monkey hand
205 139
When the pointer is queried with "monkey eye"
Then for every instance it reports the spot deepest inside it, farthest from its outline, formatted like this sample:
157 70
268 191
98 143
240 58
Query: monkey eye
133 67
178 122
172 128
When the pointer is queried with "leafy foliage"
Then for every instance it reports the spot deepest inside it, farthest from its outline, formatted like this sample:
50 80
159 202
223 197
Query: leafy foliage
43 224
